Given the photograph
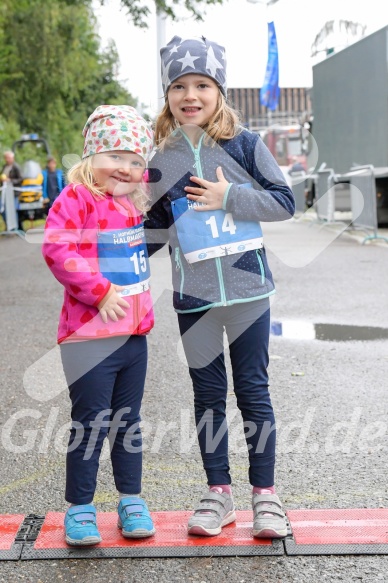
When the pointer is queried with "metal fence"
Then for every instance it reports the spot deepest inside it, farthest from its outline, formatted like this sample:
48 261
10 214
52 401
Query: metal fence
298 181
364 210
325 194
363 197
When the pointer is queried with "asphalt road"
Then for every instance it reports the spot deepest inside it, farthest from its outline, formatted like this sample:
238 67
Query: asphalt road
332 414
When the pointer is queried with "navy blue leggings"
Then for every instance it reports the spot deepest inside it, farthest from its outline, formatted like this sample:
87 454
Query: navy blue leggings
247 327
106 384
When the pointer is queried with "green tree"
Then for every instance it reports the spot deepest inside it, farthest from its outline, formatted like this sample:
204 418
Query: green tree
52 71
139 13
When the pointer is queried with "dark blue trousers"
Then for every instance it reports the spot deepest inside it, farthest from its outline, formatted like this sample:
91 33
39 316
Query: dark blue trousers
106 383
247 327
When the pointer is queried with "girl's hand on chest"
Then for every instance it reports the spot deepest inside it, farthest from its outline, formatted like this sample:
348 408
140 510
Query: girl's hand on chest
210 194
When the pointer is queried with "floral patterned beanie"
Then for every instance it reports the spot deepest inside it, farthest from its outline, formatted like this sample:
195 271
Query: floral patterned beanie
117 127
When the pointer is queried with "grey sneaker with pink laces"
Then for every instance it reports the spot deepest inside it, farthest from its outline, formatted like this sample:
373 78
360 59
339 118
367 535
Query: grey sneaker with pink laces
214 511
269 520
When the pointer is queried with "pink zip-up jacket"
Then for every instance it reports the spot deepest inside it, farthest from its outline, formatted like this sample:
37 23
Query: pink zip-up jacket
76 225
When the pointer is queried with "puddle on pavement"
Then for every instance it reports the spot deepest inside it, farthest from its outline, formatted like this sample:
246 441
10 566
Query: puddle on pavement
301 330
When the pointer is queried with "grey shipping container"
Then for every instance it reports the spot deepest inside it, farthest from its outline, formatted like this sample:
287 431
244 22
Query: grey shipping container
350 109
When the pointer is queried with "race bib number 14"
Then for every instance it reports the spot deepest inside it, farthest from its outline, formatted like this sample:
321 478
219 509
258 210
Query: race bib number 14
208 234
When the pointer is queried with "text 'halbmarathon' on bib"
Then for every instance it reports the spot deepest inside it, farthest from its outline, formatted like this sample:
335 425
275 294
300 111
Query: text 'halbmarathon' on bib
209 234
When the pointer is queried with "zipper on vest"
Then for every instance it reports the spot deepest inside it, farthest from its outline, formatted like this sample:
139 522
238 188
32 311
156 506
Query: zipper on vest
198 167
217 259
197 164
179 267
261 265
221 280
196 151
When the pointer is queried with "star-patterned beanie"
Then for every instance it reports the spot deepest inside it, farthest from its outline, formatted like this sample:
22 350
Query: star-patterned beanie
117 127
193 55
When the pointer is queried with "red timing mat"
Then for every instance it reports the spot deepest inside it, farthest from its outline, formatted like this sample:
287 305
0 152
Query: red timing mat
171 539
338 531
312 532
171 530
346 526
9 526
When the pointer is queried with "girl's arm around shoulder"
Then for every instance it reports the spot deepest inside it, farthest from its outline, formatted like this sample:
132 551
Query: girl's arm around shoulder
266 197
68 244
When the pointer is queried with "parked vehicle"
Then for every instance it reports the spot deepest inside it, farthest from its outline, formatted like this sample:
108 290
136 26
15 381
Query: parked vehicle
29 202
285 142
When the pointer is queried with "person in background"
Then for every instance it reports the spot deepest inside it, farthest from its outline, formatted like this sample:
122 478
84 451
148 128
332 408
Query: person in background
53 181
10 172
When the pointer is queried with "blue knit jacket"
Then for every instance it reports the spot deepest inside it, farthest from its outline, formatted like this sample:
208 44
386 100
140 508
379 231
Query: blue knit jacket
257 192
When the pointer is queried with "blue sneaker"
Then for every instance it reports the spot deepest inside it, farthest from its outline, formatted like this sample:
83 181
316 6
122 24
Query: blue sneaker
134 518
81 525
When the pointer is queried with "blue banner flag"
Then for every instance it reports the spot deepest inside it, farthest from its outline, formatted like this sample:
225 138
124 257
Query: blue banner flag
269 93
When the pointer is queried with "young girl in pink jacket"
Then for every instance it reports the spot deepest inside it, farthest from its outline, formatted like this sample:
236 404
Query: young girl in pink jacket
94 245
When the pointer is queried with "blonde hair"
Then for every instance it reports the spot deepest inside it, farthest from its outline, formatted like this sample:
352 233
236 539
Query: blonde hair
82 174
224 124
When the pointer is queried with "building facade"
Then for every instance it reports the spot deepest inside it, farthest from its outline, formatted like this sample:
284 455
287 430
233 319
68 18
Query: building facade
294 106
